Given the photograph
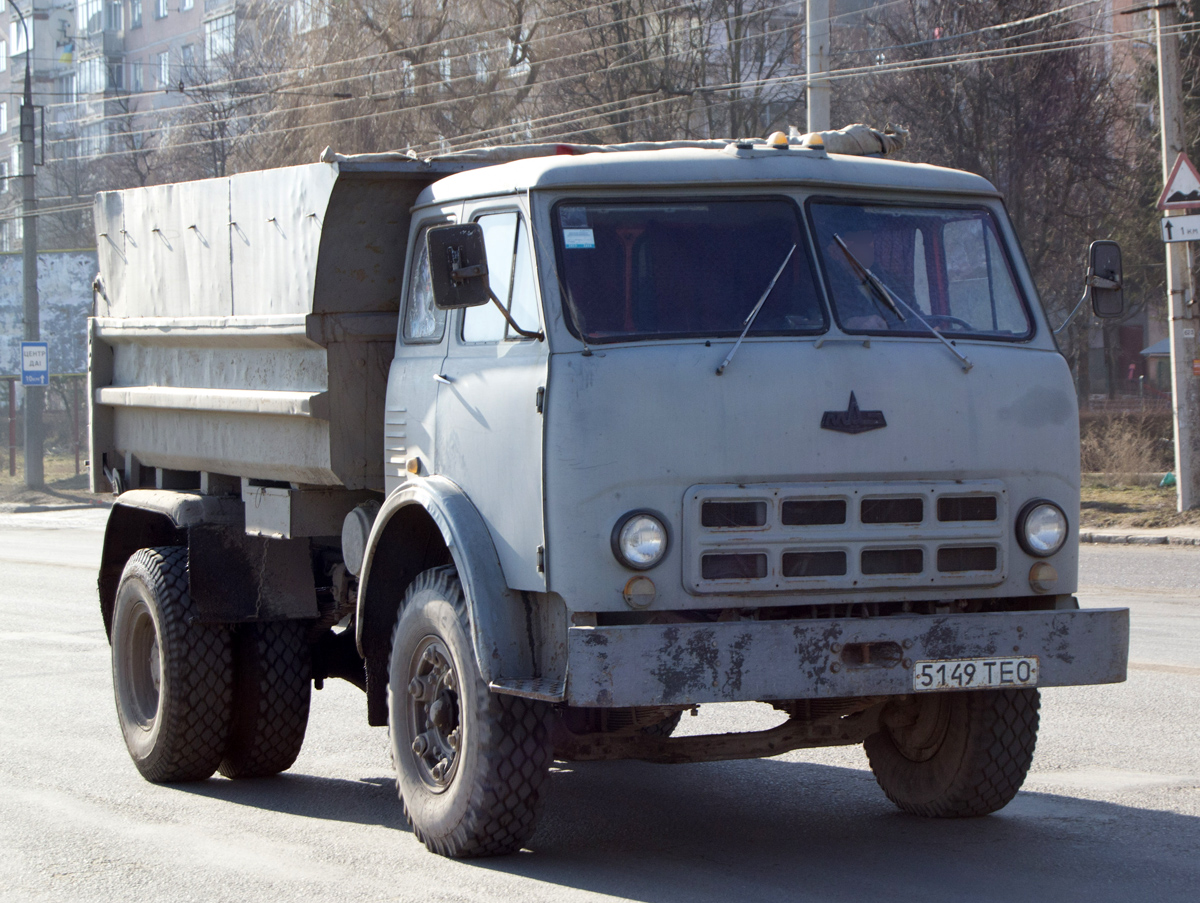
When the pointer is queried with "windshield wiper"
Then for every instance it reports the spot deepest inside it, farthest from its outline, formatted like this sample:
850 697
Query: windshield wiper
754 313
892 300
879 291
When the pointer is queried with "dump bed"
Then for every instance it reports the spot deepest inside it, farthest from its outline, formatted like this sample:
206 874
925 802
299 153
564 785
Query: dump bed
245 325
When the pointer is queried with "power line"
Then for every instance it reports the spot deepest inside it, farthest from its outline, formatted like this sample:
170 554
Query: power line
582 115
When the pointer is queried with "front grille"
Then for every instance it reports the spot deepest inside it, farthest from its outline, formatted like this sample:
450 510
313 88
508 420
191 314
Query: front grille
893 511
734 567
967 559
966 509
813 513
814 564
893 561
733 514
834 537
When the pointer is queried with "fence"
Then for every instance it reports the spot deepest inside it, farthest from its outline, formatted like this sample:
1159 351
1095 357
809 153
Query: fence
64 418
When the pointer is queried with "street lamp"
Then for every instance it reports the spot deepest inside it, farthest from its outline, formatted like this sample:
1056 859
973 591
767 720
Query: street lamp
34 395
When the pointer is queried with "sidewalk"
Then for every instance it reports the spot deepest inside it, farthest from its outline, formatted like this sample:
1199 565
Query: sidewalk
1142 536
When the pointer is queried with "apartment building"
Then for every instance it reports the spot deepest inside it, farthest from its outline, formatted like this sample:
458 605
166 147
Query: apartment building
101 71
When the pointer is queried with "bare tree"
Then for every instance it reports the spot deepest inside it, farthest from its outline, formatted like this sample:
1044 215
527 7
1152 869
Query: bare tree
1048 124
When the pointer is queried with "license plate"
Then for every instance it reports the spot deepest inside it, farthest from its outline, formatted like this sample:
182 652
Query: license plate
975 673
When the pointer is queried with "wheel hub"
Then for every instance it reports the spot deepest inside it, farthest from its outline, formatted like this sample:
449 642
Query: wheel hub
434 713
143 671
918 725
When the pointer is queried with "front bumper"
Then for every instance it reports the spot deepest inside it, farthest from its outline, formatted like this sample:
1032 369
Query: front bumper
688 664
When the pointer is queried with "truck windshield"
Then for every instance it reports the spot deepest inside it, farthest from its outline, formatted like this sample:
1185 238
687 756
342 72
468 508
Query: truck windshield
948 263
674 269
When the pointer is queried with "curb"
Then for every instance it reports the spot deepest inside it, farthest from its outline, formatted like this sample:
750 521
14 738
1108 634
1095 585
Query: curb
1139 539
42 509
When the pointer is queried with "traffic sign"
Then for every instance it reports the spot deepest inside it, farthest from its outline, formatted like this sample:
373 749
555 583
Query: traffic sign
1183 186
35 364
1180 228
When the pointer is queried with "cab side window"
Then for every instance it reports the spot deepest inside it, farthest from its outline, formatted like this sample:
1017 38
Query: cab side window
510 274
423 322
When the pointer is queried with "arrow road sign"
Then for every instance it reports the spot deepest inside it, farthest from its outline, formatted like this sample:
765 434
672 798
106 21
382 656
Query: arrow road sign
35 364
1181 228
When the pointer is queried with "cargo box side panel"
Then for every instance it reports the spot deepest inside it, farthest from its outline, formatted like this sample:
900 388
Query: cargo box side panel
260 446
176 261
276 220
109 213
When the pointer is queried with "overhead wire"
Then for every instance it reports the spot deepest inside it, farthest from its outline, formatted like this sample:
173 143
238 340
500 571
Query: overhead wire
586 114
427 105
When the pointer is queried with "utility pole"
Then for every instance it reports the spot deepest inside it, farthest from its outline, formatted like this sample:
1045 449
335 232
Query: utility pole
1181 302
818 90
35 396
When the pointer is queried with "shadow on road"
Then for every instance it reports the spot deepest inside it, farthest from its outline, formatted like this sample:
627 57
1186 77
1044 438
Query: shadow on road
369 801
763 830
775 830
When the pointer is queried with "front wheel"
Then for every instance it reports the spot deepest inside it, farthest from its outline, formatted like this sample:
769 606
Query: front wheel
951 755
471 765
171 673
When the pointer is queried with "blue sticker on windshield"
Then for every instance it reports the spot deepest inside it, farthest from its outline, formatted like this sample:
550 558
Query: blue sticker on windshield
578 238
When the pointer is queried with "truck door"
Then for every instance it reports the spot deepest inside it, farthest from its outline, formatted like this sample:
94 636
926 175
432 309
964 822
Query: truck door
409 415
489 426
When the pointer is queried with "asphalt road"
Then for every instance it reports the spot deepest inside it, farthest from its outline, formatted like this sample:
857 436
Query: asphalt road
1111 810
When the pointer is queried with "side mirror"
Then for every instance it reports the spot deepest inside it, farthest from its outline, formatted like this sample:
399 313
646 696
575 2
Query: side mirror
1104 279
458 266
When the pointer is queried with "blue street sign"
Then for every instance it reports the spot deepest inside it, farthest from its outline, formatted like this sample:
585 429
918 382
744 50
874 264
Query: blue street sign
35 364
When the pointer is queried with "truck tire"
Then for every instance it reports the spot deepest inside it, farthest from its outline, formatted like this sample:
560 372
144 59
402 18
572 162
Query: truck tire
272 687
664 728
954 755
471 765
171 674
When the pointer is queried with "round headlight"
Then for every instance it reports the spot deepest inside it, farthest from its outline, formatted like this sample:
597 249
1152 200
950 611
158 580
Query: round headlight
639 540
1041 528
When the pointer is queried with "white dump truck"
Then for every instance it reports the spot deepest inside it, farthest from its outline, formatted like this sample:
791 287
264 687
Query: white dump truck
542 447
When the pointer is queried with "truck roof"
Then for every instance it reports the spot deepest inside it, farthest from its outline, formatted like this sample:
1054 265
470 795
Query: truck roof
680 167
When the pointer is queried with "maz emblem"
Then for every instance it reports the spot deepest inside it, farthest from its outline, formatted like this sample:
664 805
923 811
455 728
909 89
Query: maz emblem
852 420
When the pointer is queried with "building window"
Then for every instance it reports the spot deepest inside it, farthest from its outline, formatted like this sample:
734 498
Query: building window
16 37
116 74
219 37
164 68
308 15
64 88
185 5
93 75
94 139
160 9
3 54
114 16
136 79
135 13
187 56
3 176
89 16
3 117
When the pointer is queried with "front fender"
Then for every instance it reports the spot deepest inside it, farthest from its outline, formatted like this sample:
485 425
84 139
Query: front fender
500 620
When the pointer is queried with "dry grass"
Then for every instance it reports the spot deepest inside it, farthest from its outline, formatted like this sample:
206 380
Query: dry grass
1126 450
1106 505
63 486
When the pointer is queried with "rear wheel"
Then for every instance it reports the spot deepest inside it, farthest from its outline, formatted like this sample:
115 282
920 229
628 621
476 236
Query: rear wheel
950 755
171 673
272 689
471 765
